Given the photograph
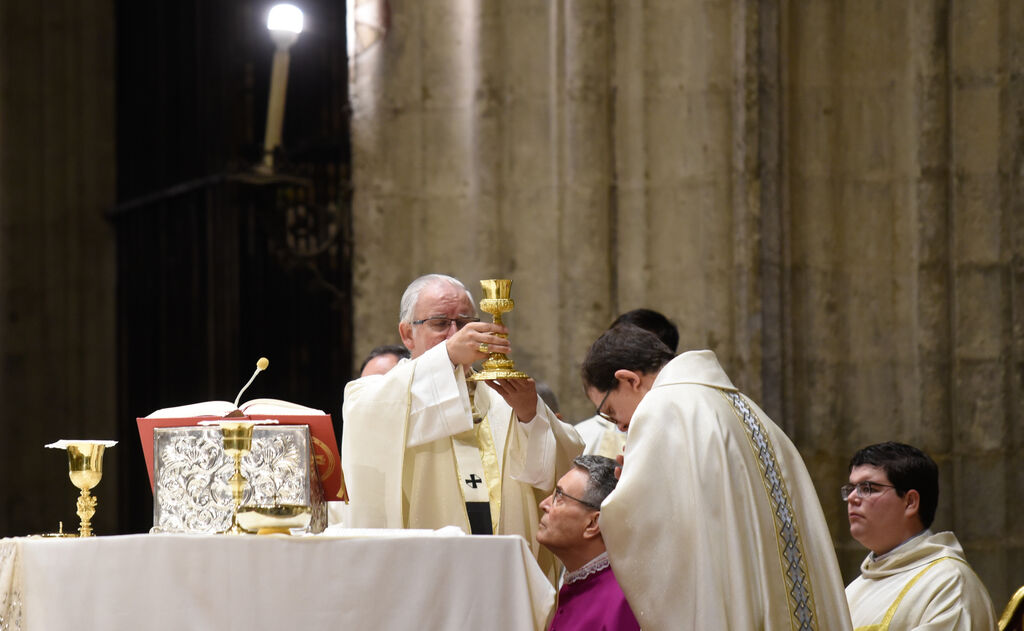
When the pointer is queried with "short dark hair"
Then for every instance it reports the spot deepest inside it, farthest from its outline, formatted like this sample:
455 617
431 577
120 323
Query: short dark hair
907 468
624 346
652 321
602 478
398 351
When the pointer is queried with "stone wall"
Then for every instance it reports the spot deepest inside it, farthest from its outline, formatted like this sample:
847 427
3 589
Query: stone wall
827 194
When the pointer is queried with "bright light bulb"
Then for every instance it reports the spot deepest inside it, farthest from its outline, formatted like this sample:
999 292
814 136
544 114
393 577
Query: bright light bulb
285 17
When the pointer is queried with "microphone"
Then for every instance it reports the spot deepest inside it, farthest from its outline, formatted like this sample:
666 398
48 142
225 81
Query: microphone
261 365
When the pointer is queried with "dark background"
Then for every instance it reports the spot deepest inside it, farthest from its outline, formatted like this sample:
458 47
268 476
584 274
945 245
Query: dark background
218 265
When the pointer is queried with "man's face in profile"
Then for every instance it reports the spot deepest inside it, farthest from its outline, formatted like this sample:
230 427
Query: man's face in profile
565 518
876 516
619 404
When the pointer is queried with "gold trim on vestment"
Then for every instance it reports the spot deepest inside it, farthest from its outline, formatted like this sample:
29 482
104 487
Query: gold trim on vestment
481 437
787 532
492 470
890 613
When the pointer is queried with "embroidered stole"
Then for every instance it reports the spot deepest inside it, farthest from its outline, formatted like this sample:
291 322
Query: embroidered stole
477 461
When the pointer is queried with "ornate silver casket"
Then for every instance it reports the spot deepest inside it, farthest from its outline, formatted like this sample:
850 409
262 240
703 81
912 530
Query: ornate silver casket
192 493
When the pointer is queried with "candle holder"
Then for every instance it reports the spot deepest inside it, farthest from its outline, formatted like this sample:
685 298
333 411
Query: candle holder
85 468
237 437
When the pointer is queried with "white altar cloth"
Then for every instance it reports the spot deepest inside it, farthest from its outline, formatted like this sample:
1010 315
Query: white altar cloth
228 583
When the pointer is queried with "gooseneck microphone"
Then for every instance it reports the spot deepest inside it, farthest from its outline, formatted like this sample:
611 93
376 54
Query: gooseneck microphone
261 365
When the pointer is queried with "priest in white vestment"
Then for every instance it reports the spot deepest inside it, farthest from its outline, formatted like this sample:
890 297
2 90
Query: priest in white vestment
715 522
418 451
912 578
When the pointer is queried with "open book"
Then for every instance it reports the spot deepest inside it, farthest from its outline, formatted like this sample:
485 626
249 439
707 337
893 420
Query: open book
321 430
262 407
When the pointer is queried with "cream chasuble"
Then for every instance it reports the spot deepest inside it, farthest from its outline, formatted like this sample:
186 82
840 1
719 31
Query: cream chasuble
400 460
925 583
715 523
602 437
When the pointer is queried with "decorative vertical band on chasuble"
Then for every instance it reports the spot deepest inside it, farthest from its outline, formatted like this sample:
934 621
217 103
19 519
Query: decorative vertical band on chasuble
791 554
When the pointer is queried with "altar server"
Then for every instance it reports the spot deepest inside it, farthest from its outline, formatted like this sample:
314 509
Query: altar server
912 578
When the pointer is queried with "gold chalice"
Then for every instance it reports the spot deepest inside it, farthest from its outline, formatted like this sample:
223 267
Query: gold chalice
496 301
85 468
237 437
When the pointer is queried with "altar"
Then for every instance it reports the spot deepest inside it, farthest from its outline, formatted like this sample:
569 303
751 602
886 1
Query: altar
362 580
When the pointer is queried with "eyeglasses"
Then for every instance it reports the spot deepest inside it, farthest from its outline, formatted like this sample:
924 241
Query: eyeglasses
559 494
440 324
864 489
601 405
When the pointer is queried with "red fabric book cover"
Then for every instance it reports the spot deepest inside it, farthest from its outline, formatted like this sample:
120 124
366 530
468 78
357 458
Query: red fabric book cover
325 446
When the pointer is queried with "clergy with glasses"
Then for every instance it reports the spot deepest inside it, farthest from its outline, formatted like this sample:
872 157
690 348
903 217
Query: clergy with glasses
600 433
422 447
715 522
912 578
590 597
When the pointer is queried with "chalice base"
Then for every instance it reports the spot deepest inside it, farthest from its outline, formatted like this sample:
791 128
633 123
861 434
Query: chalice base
489 375
274 531
235 529
498 366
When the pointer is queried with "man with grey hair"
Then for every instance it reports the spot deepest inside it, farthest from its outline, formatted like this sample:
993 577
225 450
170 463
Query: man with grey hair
423 447
590 597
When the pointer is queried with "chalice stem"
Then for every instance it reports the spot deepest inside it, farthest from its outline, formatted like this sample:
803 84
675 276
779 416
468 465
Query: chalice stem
237 492
86 509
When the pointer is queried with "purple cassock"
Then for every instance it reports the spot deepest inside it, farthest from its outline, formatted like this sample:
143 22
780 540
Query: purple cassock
591 600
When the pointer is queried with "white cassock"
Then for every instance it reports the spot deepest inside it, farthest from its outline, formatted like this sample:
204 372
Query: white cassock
602 437
715 523
403 430
925 583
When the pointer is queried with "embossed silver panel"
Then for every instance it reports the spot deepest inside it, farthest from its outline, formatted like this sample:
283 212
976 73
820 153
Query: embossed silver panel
191 472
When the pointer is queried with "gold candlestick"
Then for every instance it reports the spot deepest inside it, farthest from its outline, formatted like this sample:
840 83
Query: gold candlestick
85 468
237 436
496 301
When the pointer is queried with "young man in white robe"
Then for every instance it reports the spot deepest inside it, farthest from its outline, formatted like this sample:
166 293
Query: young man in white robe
604 438
912 578
715 522
419 451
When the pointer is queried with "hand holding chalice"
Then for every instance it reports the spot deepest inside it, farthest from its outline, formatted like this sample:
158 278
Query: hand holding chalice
496 301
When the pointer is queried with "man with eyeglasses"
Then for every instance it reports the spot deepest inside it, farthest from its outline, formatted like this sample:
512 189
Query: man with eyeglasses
912 578
600 433
715 522
422 447
590 597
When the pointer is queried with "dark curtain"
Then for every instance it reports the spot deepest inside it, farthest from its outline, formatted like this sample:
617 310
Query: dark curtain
219 265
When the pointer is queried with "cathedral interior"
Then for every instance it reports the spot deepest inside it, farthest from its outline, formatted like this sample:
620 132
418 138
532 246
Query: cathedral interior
828 195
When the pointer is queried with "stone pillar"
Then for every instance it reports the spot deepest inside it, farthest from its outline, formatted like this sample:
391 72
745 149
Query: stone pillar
826 194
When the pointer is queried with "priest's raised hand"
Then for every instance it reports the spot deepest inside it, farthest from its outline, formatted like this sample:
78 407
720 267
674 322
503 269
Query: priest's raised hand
474 341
